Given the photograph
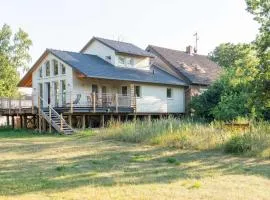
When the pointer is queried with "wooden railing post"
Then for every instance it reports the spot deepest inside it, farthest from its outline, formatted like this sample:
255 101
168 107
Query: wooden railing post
9 105
20 104
61 122
94 101
71 103
116 102
33 103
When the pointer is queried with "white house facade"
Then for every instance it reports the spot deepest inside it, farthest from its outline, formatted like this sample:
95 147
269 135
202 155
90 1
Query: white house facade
61 78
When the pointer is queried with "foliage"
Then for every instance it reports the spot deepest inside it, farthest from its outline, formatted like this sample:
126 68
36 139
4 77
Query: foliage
14 55
261 97
230 96
190 134
239 144
227 54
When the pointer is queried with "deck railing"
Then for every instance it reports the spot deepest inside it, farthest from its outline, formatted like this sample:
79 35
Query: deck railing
21 102
70 100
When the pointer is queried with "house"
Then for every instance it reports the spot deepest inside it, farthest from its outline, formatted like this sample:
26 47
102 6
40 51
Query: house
198 71
108 79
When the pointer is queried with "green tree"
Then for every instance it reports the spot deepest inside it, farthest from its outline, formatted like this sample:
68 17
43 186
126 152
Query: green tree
226 54
14 55
230 96
261 99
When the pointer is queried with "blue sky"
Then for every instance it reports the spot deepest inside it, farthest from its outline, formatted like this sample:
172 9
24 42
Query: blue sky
68 25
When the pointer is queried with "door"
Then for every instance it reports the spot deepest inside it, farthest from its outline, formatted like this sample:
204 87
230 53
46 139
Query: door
47 96
56 93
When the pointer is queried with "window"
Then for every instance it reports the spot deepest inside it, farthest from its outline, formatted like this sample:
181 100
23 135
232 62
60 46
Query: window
63 68
124 90
138 91
40 72
95 89
56 93
63 88
169 92
121 60
130 62
55 67
104 90
47 68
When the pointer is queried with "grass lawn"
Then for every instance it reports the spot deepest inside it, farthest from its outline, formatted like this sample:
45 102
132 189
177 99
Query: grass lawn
84 167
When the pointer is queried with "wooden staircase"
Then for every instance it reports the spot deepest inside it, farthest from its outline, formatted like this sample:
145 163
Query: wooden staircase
55 120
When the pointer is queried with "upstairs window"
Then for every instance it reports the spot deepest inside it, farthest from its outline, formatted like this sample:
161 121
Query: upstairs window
55 67
63 68
138 91
95 89
40 72
48 68
121 61
124 90
130 62
169 92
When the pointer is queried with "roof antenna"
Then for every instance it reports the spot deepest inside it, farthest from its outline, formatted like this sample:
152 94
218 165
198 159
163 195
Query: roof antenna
196 42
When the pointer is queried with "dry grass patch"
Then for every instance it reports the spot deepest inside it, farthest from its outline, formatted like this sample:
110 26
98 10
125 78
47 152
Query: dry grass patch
83 167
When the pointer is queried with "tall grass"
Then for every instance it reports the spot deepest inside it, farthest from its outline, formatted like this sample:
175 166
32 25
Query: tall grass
191 134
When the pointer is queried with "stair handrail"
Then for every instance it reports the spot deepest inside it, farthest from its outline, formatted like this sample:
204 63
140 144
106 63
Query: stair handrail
56 113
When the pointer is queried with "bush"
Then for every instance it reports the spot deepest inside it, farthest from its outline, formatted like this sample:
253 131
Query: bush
195 135
239 144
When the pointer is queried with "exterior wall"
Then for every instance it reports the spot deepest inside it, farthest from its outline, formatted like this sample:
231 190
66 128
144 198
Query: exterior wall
50 79
154 100
139 62
101 50
153 97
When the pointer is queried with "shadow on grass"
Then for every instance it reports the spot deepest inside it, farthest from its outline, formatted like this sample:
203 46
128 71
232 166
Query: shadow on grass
115 163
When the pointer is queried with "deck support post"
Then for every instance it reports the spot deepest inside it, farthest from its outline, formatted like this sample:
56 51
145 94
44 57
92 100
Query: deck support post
119 118
126 118
43 124
12 121
83 122
111 118
70 120
149 119
8 123
102 121
21 122
25 121
134 118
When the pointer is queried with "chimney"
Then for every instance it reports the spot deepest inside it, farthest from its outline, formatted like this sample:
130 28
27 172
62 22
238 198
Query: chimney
189 50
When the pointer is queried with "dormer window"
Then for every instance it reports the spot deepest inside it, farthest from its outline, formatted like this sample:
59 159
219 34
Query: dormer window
121 61
130 62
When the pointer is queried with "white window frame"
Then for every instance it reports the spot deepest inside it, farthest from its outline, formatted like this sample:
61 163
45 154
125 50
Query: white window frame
123 62
171 96
140 91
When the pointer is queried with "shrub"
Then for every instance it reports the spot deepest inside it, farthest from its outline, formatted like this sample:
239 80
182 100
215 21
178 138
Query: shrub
239 144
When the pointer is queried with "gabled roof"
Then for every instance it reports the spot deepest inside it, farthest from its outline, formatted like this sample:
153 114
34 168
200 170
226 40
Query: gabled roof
93 66
197 69
120 47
